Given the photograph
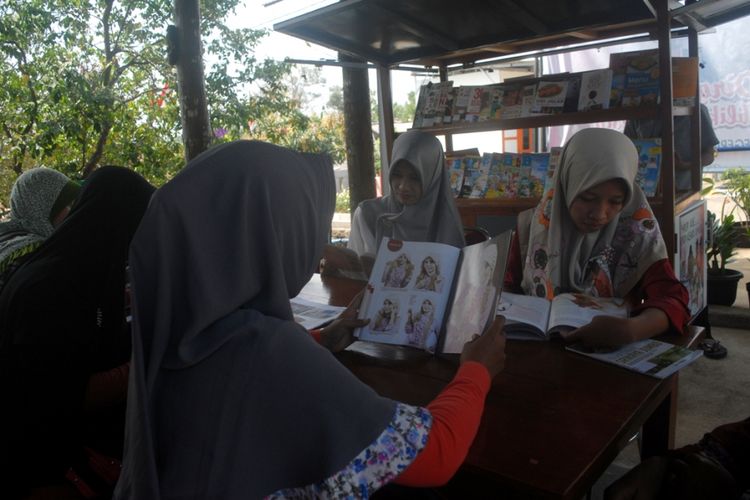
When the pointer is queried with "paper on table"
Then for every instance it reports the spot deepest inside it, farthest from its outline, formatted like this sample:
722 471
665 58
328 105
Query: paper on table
313 314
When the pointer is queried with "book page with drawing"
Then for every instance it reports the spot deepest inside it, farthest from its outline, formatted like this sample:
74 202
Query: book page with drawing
432 296
536 318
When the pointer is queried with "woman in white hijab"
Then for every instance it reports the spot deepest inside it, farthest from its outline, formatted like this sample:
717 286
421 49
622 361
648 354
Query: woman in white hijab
420 206
228 396
595 233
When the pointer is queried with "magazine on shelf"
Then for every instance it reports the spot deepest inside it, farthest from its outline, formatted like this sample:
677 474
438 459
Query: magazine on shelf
535 318
480 177
649 164
550 97
650 357
596 86
635 77
433 296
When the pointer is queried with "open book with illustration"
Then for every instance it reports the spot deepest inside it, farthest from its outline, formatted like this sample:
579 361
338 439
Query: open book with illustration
433 296
651 357
536 318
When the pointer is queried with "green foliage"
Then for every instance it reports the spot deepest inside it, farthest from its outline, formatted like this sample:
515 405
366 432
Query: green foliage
737 183
342 201
86 82
723 238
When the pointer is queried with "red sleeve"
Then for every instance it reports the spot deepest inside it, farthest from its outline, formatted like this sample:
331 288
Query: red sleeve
456 413
315 334
660 289
514 267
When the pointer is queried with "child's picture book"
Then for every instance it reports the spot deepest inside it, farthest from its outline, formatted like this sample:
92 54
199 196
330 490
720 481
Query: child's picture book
472 171
650 357
536 165
691 254
464 94
474 108
433 296
649 164
554 161
510 173
455 167
495 185
481 177
536 318
512 101
595 89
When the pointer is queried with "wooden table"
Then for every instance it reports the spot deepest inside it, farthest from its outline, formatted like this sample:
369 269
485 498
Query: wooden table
553 420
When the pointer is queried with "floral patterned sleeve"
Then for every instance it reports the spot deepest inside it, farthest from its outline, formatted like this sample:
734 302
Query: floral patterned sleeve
378 464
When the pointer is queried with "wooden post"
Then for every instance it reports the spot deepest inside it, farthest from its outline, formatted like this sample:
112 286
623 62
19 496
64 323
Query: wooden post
385 124
358 122
196 130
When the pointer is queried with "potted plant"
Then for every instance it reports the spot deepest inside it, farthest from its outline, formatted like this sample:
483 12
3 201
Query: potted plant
737 184
723 237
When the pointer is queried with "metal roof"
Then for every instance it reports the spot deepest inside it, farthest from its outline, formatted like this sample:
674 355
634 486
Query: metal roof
449 32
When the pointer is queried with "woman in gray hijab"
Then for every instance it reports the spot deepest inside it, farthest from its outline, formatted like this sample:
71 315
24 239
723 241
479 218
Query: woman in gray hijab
39 201
228 396
420 206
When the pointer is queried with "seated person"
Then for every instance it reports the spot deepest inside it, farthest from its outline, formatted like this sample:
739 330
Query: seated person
39 201
228 396
716 467
594 233
64 339
420 207
651 128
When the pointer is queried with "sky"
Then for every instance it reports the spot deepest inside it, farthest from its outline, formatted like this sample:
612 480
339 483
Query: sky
278 45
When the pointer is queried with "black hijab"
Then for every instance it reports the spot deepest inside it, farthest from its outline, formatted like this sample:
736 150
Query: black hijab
62 319
228 397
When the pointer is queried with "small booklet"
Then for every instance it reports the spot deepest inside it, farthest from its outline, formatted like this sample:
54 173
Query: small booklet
313 314
651 357
433 296
536 318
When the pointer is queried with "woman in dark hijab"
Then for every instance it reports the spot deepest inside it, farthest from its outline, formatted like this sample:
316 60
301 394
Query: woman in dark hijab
61 322
228 396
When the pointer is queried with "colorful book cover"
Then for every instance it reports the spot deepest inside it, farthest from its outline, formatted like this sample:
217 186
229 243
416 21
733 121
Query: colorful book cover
475 105
471 173
550 97
528 98
486 107
534 168
512 101
510 173
419 110
435 103
495 188
635 77
649 164
691 251
461 102
595 89
455 167
479 182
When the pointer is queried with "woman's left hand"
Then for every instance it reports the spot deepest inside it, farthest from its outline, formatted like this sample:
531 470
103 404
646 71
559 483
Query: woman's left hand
604 331
340 333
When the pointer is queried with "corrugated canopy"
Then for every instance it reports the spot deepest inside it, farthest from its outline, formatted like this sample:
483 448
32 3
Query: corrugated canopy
448 32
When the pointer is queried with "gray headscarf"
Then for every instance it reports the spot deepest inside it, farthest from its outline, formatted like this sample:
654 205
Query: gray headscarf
31 201
435 216
609 262
228 397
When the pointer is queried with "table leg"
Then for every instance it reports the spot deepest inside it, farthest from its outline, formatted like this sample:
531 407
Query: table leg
659 429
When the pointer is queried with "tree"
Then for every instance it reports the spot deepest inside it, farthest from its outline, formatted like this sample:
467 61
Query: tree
87 82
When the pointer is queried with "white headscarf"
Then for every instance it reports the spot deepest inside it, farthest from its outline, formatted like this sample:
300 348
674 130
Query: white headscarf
433 218
609 262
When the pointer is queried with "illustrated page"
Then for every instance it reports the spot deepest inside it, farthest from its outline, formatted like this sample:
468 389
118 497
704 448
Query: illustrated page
526 316
408 292
572 310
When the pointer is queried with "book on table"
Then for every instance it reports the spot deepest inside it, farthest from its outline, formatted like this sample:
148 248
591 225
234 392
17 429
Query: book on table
433 296
535 318
650 357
